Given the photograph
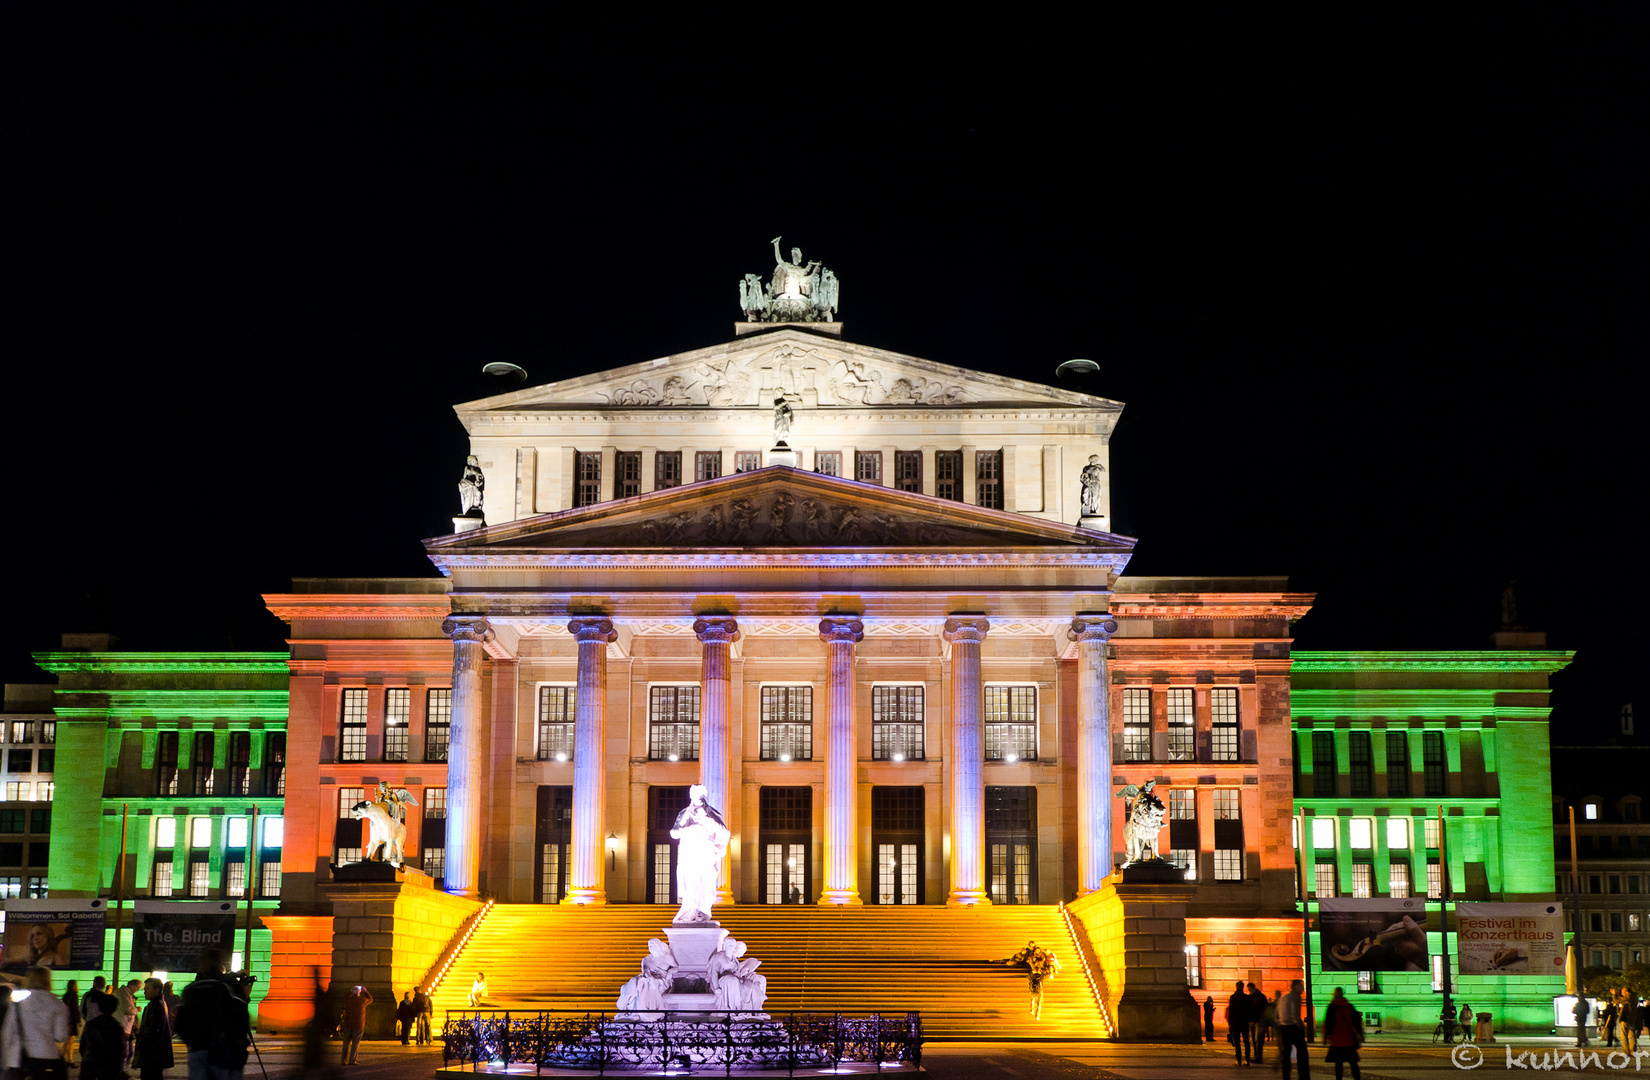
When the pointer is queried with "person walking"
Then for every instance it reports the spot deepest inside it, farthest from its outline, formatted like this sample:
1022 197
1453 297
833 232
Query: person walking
1467 1033
1343 1028
103 1044
1257 1024
126 1015
1581 1011
478 990
71 999
1632 1018
34 1029
1292 1031
354 1024
1208 1018
88 1004
213 1023
173 1002
1237 1026
1607 1020
405 1014
154 1033
425 1007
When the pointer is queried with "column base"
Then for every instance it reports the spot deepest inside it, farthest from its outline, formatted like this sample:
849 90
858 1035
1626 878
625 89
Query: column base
967 898
586 897
839 898
724 897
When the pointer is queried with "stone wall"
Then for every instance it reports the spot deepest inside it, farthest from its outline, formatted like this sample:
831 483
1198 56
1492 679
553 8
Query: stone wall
1138 933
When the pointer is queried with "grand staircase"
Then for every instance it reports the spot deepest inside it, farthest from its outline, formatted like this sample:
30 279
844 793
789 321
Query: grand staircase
931 959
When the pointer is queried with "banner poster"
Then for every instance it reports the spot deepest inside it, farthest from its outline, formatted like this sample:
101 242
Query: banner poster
59 934
171 935
1510 939
1379 934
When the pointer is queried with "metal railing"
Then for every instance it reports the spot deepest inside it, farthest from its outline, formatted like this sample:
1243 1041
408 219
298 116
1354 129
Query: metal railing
626 1041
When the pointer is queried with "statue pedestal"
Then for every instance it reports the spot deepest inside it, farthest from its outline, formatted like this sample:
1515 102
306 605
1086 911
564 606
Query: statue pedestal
784 455
1097 522
1135 926
466 523
692 945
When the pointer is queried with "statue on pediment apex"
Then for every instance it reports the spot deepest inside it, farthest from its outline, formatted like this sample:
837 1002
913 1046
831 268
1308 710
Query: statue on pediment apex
798 291
471 487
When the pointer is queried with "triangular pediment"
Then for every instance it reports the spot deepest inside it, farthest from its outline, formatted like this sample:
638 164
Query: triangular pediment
816 369
777 507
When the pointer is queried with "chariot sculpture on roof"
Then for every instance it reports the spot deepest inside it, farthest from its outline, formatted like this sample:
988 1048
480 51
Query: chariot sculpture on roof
799 291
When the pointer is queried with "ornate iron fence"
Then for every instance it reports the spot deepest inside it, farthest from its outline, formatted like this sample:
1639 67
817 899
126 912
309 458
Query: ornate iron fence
734 1041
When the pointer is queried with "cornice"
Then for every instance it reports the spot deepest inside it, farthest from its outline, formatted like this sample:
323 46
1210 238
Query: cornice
675 415
1289 606
778 558
1473 660
348 606
167 663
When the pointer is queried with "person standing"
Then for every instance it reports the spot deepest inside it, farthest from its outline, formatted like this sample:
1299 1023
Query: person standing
1343 1029
173 1002
354 1024
1208 1018
154 1033
1292 1030
1607 1020
1467 1033
405 1014
478 990
1632 1018
1581 1012
425 1007
102 1045
71 998
88 1005
1257 1024
1237 1026
126 1015
213 1023
34 1029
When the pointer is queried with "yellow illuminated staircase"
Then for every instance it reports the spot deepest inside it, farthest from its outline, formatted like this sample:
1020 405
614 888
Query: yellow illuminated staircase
931 959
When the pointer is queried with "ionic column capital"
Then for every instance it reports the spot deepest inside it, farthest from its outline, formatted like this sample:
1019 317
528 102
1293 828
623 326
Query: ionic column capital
841 629
1092 627
967 628
717 629
591 628
467 628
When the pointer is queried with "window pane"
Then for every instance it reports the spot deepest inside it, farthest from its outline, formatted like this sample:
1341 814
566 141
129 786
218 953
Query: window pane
397 717
948 475
1432 747
1362 880
166 832
1363 834
438 720
1323 764
1398 879
352 745
1182 741
988 478
237 832
667 469
1010 723
557 714
828 462
673 730
1137 724
587 477
1323 832
1397 832
787 723
1323 883
896 723
627 480
1361 764
1397 763
200 832
274 832
1228 864
1223 719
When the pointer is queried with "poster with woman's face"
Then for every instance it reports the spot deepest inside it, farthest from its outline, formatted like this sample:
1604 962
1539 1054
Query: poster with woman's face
36 944
52 934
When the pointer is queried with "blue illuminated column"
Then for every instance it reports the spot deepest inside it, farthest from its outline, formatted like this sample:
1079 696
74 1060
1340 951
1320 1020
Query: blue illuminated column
717 635
841 760
965 769
1091 632
586 885
470 635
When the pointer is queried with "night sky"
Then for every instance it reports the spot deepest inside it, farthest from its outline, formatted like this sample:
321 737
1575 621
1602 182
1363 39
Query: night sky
1373 292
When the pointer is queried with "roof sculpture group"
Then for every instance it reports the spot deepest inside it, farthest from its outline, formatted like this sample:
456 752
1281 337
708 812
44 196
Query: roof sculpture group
799 292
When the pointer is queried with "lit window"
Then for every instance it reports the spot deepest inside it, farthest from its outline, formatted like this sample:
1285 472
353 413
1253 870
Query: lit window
1323 832
787 723
1398 879
274 829
1366 982
48 789
1223 721
1363 834
1435 880
1194 966
557 711
1137 724
166 832
200 878
1429 830
1590 811
353 741
271 885
438 723
1437 973
1323 883
896 723
1397 832
237 832
1010 723
347 798
397 717
235 878
1363 880
200 832
1632 920
1228 864
673 731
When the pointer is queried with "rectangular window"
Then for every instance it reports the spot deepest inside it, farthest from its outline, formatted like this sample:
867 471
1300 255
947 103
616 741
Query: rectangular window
20 731
1366 982
397 722
235 833
1323 833
1633 921
1186 859
274 833
47 761
1226 804
166 763
40 823
1429 829
673 728
868 466
1363 880
1183 836
667 469
558 710
828 462
1228 865
11 821
1223 723
988 479
202 766
48 733
200 877
896 723
17 792
1397 763
1182 741
1323 764
948 482
787 723
234 878
435 862
438 724
707 464
19 761
1361 764
1398 879
47 789
240 763
352 742
587 477
1615 883
747 460
270 886
1397 833
1435 880
347 798
160 880
1228 816
1010 723
908 470
1323 881
627 474
1194 966
1432 761
1615 922
275 763
166 833
1137 724
1362 836
1595 922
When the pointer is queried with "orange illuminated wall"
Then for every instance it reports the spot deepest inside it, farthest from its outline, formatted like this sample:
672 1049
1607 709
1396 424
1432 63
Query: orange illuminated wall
1235 949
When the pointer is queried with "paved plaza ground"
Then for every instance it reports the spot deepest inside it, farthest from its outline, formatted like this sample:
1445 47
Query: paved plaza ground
1386 1057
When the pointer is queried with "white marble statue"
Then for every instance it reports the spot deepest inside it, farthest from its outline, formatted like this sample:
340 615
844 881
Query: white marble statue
646 992
1145 821
782 414
734 980
702 841
1091 486
386 831
471 486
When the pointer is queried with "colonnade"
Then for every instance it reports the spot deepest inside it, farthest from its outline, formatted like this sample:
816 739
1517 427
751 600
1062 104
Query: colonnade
964 769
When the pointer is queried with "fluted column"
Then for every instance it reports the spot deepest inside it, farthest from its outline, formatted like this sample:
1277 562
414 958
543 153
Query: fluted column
470 634
717 634
965 770
841 761
1094 797
586 884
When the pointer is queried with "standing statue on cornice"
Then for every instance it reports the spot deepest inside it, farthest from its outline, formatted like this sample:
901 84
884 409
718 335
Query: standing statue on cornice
471 488
1091 486
782 414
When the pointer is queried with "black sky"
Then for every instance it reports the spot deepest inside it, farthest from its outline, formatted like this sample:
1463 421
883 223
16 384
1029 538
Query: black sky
1373 290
